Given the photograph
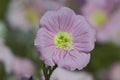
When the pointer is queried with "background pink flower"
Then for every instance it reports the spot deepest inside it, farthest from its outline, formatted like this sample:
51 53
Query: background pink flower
62 74
114 73
65 39
102 15
23 68
25 14
6 57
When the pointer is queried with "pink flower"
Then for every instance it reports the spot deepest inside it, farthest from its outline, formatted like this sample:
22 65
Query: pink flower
114 73
22 15
65 39
114 27
20 67
23 67
62 74
6 56
25 14
102 15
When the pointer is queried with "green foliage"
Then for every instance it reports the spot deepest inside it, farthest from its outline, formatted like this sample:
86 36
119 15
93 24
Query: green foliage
3 8
2 72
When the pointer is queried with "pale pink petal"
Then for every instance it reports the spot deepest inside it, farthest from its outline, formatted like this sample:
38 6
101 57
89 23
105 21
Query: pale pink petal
72 60
83 35
44 45
58 20
44 38
47 57
66 18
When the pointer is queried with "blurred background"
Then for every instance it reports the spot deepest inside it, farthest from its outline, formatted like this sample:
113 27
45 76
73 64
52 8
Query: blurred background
19 21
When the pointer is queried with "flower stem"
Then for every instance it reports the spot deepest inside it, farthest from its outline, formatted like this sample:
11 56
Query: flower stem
47 71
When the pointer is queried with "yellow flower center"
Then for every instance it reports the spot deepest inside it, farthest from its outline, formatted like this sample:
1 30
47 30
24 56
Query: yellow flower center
31 16
99 18
63 40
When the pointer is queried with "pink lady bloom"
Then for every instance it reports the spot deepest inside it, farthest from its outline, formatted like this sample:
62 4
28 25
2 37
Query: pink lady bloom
62 74
101 14
114 73
65 39
25 14
6 56
23 68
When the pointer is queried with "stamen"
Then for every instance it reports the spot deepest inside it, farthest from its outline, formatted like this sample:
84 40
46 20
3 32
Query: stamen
63 40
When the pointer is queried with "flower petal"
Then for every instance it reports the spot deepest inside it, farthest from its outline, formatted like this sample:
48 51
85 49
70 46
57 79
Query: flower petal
83 35
47 57
59 20
72 60
44 45
44 38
